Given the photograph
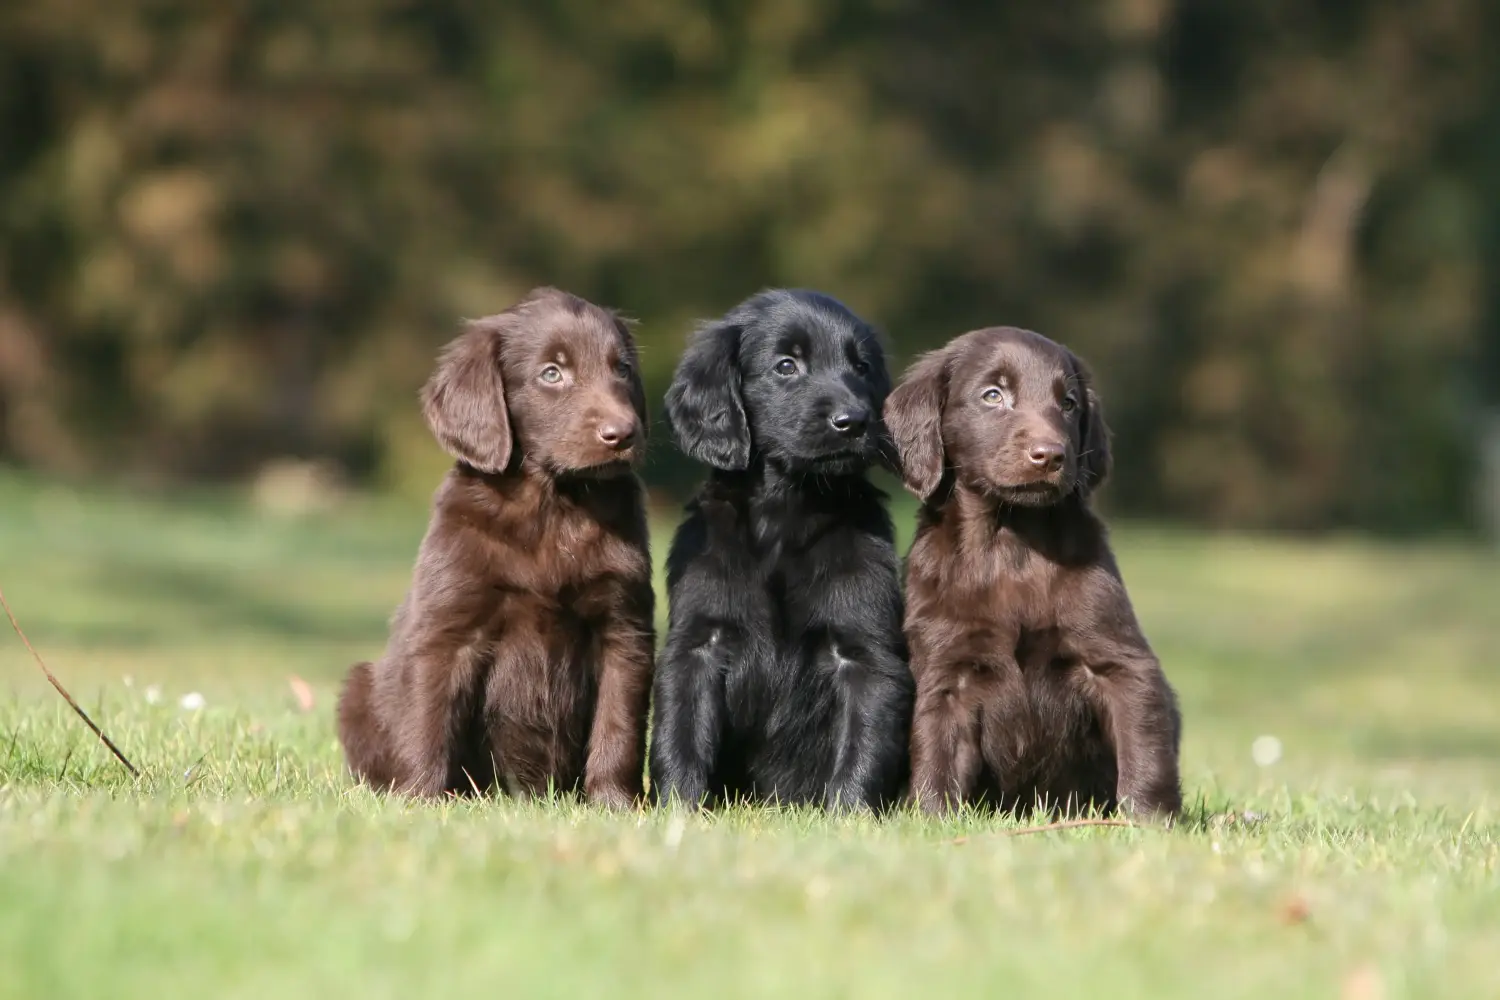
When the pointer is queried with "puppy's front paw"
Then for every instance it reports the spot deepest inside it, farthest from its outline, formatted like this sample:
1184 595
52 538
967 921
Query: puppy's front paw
1160 813
611 796
934 803
845 803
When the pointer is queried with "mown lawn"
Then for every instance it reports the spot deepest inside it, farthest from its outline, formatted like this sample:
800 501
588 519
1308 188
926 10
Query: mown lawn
1362 863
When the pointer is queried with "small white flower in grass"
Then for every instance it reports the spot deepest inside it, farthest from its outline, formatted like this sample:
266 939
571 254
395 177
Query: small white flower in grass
676 827
153 695
192 702
1266 750
399 924
129 681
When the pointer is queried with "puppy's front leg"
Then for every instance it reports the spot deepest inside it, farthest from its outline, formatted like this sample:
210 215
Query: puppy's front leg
1145 727
617 743
1137 706
874 705
439 685
689 710
945 752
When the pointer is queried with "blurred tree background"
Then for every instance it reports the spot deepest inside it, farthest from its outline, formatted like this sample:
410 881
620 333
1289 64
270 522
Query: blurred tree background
236 232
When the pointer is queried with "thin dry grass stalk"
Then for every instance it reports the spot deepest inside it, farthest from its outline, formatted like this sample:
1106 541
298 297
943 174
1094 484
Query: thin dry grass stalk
1066 824
64 691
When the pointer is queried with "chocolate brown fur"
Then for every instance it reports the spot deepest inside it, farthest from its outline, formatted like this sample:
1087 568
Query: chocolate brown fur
521 657
1035 685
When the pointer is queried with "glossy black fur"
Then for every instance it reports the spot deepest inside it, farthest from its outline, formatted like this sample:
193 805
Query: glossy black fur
784 673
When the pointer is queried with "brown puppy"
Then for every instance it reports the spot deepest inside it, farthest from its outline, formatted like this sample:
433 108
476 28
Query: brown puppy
522 654
1035 685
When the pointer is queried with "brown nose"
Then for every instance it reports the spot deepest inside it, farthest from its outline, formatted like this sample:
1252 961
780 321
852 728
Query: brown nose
617 434
1047 456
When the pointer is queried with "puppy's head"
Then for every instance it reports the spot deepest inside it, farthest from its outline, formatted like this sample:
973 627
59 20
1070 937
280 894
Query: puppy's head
1006 412
791 375
553 379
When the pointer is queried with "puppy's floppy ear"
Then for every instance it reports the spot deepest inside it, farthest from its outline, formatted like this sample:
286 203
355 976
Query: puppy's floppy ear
1093 436
704 407
914 416
464 400
626 328
878 378
879 375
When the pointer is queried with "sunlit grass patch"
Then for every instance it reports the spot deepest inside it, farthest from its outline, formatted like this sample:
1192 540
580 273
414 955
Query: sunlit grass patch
244 863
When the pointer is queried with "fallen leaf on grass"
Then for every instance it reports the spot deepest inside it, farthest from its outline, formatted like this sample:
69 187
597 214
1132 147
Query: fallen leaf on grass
1364 983
303 692
1294 911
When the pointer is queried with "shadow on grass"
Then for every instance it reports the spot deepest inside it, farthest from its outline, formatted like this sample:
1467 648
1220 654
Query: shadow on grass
1442 745
183 601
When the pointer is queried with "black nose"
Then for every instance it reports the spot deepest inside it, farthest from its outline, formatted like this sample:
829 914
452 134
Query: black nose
1048 455
850 422
617 434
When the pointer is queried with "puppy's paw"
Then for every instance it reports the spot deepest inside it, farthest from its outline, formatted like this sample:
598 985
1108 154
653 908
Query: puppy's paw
1146 813
611 796
845 803
933 804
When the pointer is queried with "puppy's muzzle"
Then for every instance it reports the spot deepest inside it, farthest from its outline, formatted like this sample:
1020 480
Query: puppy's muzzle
617 435
850 421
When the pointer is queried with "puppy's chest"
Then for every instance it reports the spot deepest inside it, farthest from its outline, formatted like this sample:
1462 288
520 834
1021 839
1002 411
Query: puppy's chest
791 579
997 582
568 560
991 612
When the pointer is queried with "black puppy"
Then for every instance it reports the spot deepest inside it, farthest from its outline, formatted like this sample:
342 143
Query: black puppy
784 672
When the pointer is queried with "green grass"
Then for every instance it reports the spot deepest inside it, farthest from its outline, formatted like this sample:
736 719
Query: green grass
1363 863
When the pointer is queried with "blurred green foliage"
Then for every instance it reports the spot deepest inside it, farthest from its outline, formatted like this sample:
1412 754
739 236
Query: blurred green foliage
236 231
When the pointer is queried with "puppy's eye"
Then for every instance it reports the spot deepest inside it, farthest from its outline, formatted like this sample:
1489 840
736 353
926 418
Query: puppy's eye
786 366
551 375
861 368
992 396
1069 403
622 369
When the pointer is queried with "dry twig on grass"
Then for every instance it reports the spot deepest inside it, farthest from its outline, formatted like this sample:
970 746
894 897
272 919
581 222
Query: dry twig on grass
64 691
1066 824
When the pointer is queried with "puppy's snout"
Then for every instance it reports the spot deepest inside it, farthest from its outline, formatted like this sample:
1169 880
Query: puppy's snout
1047 456
617 435
850 421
